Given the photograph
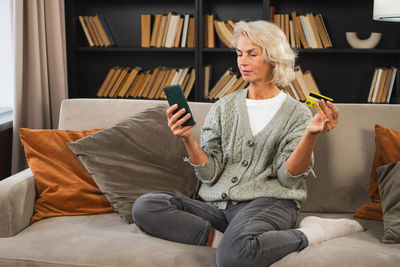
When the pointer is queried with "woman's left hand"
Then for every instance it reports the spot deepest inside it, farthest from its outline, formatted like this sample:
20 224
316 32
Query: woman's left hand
325 119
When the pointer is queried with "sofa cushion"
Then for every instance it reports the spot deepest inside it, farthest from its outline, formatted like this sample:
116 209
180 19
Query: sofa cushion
387 150
136 156
63 184
389 189
97 240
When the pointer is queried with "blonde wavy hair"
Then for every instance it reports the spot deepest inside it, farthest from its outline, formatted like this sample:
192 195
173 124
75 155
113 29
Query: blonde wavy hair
276 48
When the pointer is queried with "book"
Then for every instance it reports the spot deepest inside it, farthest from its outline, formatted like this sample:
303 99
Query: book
106 81
185 81
300 79
220 83
309 32
153 78
272 11
298 89
190 83
145 84
376 86
179 33
183 76
207 78
185 30
102 31
165 32
129 80
119 82
294 91
112 81
310 81
385 89
296 30
209 30
161 31
96 31
155 30
322 31
313 24
223 33
377 96
86 31
372 87
277 20
292 35
91 31
191 33
163 83
107 30
228 86
236 85
172 30
138 84
390 90
286 26
158 80
302 36
168 81
145 22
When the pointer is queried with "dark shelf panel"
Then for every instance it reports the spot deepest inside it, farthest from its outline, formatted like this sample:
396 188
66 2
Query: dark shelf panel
351 51
322 51
340 71
132 49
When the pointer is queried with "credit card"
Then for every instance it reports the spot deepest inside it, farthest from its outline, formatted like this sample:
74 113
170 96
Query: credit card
314 98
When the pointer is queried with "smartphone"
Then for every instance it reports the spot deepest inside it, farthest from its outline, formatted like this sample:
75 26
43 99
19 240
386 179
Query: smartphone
175 95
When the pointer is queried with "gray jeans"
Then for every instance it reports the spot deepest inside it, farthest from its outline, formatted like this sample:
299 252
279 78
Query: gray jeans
256 233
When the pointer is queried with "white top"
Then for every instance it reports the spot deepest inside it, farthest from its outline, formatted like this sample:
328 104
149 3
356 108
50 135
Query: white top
261 111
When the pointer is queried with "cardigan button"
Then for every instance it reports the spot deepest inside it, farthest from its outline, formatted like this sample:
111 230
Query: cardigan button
234 180
245 163
224 196
250 143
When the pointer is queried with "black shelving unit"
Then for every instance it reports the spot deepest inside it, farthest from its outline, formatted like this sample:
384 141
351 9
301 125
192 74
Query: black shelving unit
340 72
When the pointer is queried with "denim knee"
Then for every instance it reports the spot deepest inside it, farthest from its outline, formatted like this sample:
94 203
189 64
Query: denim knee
230 255
141 208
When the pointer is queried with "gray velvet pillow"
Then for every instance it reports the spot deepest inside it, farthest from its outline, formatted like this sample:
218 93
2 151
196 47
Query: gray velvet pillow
389 189
134 157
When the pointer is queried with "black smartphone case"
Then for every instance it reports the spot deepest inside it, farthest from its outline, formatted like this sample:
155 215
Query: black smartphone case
175 95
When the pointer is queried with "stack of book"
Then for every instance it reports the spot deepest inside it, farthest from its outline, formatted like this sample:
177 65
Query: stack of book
307 31
302 85
96 31
126 82
224 30
382 85
228 83
169 30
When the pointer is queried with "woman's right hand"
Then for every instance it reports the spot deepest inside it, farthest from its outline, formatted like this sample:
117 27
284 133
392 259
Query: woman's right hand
175 122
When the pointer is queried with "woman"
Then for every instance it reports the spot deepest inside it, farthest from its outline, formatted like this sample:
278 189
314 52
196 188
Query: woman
256 150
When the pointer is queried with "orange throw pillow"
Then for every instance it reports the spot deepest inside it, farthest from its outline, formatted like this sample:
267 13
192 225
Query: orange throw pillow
64 186
387 142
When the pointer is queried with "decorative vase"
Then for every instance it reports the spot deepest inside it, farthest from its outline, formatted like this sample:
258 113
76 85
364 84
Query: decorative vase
368 43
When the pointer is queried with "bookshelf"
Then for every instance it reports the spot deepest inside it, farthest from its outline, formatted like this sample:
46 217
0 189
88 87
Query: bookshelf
341 72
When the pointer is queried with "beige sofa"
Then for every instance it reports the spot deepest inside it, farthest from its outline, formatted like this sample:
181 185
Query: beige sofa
343 161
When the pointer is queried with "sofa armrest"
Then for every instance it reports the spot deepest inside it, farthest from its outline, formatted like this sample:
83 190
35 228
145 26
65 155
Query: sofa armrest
17 200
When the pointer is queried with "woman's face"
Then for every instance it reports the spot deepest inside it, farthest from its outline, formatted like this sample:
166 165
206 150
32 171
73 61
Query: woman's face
251 62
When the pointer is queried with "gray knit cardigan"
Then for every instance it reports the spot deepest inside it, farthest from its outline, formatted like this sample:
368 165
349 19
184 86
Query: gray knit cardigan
243 167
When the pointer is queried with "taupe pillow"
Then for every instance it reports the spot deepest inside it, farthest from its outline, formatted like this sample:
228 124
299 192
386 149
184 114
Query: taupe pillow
389 189
134 157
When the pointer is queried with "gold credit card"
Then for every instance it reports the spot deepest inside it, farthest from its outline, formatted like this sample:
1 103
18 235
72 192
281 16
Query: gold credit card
314 98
